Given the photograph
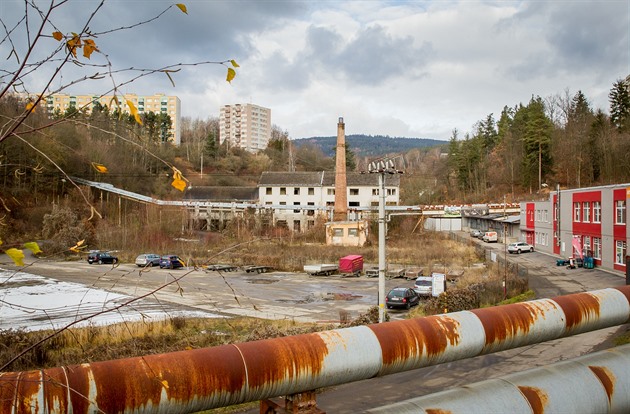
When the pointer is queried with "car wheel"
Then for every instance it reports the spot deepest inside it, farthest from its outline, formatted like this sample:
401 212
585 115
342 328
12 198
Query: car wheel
518 251
115 261
407 305
90 261
531 249
100 261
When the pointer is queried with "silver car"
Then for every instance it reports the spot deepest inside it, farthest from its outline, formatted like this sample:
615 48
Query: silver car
148 259
519 247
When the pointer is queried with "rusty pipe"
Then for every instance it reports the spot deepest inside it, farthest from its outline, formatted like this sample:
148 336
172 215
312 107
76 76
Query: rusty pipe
196 380
595 383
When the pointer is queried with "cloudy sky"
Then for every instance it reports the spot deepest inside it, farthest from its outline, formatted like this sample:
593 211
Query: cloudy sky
397 68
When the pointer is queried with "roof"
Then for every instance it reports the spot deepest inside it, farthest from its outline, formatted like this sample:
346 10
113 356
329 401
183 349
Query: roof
224 194
297 179
323 178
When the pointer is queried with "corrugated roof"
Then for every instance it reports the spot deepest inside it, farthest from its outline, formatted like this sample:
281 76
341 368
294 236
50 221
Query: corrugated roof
296 179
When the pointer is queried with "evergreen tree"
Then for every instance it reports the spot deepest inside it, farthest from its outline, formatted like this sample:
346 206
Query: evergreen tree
619 98
211 149
537 142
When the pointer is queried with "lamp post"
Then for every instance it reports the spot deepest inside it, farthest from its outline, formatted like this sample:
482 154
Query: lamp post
381 167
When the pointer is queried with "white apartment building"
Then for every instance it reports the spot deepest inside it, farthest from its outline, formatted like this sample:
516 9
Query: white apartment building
317 189
158 103
245 126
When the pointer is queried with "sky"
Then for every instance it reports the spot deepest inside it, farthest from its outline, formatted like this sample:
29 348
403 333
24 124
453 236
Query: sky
398 68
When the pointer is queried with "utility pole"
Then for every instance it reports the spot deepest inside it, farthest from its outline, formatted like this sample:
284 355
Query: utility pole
381 168
505 252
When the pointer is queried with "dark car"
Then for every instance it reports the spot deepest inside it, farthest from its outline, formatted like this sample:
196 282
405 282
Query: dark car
148 259
171 261
402 297
101 258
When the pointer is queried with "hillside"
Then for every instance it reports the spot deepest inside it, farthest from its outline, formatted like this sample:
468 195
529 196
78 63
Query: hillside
370 145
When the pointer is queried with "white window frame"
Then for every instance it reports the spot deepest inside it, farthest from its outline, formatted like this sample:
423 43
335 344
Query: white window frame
597 248
586 212
577 208
620 252
620 212
597 212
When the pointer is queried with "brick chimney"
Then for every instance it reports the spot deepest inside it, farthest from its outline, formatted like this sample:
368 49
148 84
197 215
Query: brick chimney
341 192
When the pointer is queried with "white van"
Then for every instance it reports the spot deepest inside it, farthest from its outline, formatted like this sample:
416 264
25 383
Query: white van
490 237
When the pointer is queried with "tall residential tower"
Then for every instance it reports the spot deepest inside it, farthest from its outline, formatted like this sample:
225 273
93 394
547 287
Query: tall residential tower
245 126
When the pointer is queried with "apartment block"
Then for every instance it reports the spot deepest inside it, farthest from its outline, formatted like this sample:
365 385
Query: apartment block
245 126
158 103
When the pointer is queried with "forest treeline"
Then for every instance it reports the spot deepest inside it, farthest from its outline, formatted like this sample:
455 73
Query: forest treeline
556 140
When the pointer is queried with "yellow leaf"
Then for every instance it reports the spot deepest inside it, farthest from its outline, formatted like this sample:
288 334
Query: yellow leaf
33 247
0 241
100 168
165 383
16 255
230 75
88 47
30 107
233 62
134 111
179 184
58 36
73 44
80 242
182 7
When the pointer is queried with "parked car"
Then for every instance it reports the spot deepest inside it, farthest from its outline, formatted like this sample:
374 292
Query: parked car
476 233
101 258
148 259
171 261
519 247
423 286
401 297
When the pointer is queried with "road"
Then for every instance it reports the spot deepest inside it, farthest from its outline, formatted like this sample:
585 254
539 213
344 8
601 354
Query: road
295 296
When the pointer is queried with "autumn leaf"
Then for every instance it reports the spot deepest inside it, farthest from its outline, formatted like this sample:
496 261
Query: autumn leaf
73 44
134 111
233 62
33 247
182 7
179 182
30 107
77 247
88 47
231 73
100 168
57 36
16 255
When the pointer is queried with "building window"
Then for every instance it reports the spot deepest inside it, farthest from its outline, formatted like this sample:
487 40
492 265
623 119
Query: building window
391 191
283 191
354 204
310 224
586 246
620 212
337 232
310 212
537 215
283 203
268 191
375 191
597 212
620 252
597 248
296 191
330 191
296 203
586 212
354 191
311 191
353 232
576 211
546 216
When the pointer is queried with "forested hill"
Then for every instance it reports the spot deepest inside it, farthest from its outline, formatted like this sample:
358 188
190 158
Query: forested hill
370 145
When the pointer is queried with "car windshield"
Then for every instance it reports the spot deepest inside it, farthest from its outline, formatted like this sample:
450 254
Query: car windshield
397 292
423 283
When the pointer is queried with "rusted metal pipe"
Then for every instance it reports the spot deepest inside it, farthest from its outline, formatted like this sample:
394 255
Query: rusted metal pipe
196 380
595 383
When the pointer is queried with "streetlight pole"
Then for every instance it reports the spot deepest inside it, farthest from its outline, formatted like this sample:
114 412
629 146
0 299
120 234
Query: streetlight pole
381 168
